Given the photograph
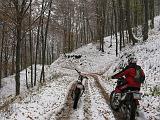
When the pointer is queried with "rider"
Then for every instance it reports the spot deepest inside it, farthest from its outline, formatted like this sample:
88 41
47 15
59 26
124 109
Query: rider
128 73
78 91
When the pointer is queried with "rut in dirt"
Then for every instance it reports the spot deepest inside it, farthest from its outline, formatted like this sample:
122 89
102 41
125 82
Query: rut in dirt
105 95
87 103
67 110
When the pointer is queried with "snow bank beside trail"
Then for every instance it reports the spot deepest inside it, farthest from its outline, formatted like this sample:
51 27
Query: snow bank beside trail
42 104
148 58
157 23
8 84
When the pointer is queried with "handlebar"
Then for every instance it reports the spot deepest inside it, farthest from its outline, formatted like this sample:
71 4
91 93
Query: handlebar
78 71
81 77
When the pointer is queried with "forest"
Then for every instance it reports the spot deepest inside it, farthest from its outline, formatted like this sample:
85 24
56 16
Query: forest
36 32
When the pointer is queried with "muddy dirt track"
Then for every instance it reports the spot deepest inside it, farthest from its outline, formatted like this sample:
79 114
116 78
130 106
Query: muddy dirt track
67 112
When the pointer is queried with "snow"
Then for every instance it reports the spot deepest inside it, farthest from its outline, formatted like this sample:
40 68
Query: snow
8 88
45 102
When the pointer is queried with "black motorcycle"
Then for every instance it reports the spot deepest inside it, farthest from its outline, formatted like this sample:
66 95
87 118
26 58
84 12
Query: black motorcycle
79 89
125 102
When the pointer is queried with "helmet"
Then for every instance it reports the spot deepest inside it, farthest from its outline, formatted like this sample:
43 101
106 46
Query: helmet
132 59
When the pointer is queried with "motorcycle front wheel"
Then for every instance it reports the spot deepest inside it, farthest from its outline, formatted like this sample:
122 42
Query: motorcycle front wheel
114 101
76 98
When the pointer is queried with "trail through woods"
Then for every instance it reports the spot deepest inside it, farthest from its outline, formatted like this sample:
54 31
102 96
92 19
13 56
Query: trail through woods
87 103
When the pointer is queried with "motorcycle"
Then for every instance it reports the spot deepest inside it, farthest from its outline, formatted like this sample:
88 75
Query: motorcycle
79 89
126 102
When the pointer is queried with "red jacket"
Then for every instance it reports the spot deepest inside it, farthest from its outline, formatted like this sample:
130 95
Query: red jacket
129 72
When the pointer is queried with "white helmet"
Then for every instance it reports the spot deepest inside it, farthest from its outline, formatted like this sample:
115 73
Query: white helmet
132 59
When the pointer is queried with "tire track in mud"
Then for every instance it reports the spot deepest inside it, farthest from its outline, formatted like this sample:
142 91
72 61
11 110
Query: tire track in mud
87 103
105 95
65 112
94 89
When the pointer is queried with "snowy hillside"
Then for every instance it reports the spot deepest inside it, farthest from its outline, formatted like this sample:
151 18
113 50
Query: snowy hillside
53 100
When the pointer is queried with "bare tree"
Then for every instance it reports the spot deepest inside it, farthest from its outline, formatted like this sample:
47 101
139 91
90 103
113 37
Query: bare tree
20 10
44 44
1 55
37 42
145 28
151 4
129 27
115 24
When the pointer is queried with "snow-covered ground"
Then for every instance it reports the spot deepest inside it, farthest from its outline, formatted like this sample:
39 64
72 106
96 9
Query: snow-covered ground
50 99
8 84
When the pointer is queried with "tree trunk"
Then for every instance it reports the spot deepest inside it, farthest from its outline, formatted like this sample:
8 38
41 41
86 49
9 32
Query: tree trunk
20 12
30 39
129 27
6 61
135 16
120 23
13 63
145 28
115 20
45 40
1 55
37 43
25 64
152 13
17 76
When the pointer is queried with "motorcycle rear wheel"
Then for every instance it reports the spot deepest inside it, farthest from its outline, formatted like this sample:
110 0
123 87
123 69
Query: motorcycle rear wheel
130 109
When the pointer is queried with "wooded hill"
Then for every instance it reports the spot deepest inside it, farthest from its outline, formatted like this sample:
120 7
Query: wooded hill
38 31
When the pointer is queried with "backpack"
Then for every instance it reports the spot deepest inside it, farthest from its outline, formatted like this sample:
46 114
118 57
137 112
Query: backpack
140 77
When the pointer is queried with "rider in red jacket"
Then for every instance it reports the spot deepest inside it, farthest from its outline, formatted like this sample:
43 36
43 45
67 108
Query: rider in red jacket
129 73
